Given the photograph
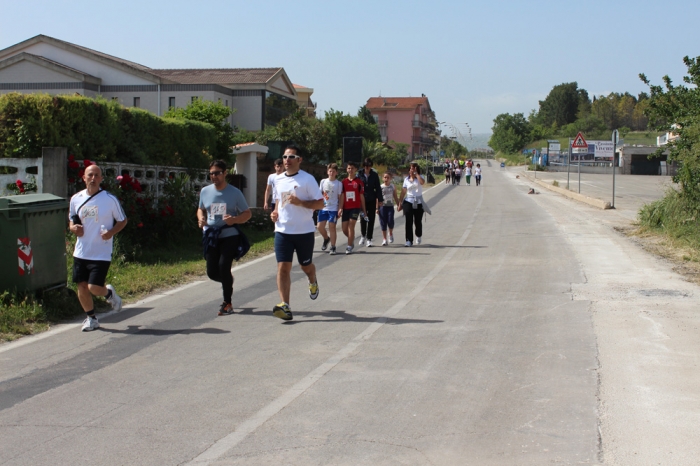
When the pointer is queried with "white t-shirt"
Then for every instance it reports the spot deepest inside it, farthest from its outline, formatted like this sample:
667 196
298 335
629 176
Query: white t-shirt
413 189
271 182
477 171
331 191
103 209
294 219
468 171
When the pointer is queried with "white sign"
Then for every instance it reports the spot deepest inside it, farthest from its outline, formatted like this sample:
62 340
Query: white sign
603 150
554 146
579 150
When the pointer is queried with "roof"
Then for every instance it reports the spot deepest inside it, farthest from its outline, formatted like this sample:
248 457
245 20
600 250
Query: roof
45 61
405 103
219 75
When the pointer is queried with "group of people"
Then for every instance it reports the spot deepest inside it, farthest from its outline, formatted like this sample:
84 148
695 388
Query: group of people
455 169
95 216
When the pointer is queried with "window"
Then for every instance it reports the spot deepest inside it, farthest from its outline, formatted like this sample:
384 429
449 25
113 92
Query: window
137 102
194 97
227 103
171 102
115 98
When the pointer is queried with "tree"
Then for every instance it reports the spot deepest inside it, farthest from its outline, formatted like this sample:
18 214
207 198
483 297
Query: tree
214 113
366 115
561 106
339 124
310 134
510 133
677 109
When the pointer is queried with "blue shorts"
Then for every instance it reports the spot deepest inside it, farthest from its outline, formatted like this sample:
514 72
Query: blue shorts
286 244
328 216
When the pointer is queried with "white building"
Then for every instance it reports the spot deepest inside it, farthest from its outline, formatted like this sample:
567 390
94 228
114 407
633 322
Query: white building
260 96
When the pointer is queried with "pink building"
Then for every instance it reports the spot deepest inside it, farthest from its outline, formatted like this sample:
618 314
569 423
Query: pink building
405 119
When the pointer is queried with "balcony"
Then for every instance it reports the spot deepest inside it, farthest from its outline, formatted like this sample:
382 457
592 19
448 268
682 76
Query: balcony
422 140
382 123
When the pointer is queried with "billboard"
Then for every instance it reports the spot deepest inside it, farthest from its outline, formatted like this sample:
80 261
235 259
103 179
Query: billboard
598 151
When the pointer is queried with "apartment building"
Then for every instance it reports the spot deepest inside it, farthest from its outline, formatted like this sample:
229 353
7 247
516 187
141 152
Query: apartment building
409 120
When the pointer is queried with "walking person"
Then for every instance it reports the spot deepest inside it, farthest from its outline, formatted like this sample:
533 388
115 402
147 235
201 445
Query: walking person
468 174
332 191
270 188
477 174
221 207
95 217
458 175
386 211
373 201
411 202
299 196
353 204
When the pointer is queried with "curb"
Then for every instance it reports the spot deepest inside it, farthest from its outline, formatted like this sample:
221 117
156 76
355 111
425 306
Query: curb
595 202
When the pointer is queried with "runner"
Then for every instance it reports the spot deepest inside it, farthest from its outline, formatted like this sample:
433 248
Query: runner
270 188
221 206
298 197
477 174
332 191
353 204
95 216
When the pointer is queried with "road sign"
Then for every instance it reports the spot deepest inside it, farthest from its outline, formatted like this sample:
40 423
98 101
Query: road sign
579 142
433 153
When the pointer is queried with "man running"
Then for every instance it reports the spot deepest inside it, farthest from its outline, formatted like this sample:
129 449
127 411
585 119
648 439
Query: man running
299 195
95 217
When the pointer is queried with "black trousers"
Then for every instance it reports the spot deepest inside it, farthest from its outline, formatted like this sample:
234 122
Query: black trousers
413 216
367 226
219 261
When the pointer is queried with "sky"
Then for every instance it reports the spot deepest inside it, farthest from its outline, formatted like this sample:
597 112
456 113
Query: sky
473 60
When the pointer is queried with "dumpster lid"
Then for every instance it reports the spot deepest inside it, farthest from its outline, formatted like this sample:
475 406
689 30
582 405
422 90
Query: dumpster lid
8 202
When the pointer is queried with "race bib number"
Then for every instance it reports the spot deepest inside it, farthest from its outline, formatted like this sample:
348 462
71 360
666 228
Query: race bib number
90 212
284 198
219 209
350 196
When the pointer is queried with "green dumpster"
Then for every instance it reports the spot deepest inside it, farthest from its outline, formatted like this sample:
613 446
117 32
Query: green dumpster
33 242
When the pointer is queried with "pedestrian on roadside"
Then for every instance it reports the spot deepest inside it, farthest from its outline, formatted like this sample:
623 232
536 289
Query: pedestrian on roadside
373 201
447 173
95 217
386 211
332 191
270 188
299 196
477 174
468 174
353 204
458 175
411 202
221 207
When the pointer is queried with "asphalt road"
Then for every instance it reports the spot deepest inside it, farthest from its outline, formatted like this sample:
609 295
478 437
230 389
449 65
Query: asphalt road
524 330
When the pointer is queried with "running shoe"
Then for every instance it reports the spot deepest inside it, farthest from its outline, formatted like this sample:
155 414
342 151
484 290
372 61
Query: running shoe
418 240
90 324
226 309
384 242
348 250
313 290
282 311
325 244
362 240
391 238
408 244
332 252
115 301
369 243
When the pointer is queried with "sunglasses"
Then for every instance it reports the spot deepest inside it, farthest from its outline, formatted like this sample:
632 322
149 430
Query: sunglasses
290 156
216 173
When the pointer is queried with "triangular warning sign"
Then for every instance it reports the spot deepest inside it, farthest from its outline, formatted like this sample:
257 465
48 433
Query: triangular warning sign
579 142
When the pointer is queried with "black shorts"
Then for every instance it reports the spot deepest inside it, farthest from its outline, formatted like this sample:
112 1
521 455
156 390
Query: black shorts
286 244
349 214
93 272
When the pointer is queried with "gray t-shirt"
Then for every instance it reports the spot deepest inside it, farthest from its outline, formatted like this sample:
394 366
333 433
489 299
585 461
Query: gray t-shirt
230 200
388 194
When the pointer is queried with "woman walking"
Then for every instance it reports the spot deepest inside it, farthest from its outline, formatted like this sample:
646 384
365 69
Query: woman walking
411 202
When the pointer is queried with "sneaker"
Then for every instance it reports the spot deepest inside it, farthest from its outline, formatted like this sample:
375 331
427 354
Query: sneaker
384 242
408 244
325 244
226 309
348 250
391 238
115 301
418 240
362 240
369 243
332 252
282 311
313 290
90 324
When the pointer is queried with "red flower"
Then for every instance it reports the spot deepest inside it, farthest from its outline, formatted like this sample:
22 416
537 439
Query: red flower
163 213
170 210
140 225
73 164
71 157
21 190
87 163
19 183
81 172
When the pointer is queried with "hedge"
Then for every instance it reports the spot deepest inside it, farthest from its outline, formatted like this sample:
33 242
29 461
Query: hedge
101 130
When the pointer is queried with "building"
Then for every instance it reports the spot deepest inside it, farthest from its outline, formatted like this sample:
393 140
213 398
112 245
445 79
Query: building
304 99
260 96
409 120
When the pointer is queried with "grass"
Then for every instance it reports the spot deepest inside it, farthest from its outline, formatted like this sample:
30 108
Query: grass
647 138
512 159
29 313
